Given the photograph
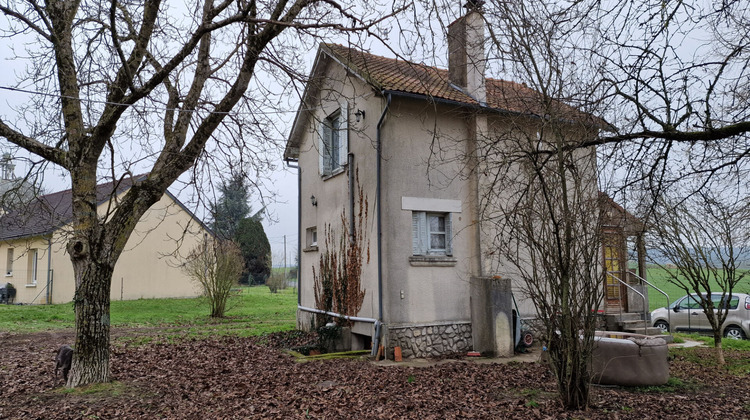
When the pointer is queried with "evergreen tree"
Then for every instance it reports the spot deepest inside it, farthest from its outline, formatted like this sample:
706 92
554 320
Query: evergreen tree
231 207
256 250
231 221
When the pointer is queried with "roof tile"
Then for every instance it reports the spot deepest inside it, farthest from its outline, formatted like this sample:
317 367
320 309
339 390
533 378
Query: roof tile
49 212
420 79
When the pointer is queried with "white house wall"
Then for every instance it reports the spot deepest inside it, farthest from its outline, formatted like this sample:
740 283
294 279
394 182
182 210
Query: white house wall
332 193
421 155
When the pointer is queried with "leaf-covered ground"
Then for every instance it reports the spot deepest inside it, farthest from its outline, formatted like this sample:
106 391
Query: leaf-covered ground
253 378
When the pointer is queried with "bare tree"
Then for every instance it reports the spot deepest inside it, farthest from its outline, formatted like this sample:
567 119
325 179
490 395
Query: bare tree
539 190
544 212
662 93
671 80
707 237
215 265
117 86
338 279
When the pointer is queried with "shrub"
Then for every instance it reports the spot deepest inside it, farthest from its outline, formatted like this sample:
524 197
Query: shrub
215 265
276 282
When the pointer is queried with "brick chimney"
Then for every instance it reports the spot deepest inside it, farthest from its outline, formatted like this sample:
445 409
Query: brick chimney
466 60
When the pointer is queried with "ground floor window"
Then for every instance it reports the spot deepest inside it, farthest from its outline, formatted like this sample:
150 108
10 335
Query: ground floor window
311 238
32 266
431 233
9 263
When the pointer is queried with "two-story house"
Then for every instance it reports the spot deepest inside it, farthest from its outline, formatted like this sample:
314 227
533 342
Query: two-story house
405 130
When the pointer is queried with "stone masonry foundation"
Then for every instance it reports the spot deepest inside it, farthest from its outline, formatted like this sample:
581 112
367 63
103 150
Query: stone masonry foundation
430 340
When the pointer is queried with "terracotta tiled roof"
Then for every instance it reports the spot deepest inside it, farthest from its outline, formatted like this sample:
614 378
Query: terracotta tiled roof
402 76
614 215
52 211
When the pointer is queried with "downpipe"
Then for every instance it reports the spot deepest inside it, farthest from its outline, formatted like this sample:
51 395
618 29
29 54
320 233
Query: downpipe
378 200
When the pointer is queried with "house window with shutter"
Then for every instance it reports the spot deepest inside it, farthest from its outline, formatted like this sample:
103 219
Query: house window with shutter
334 142
431 233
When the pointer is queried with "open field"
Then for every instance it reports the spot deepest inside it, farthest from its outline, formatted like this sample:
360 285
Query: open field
659 277
253 311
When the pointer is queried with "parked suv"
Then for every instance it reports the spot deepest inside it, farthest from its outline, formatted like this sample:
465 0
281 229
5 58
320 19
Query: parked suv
686 314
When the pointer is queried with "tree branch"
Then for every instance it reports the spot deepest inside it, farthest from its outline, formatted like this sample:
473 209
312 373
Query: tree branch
52 154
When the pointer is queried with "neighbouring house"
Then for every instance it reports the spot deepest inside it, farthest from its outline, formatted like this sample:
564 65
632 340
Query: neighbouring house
400 131
34 259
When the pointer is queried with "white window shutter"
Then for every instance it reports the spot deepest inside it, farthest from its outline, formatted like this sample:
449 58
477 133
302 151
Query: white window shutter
321 149
325 149
449 234
344 134
424 240
415 249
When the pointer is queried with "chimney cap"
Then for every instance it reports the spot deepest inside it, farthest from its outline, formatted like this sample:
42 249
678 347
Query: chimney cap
473 4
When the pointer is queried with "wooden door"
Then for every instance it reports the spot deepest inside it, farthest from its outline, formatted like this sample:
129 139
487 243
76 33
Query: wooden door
615 293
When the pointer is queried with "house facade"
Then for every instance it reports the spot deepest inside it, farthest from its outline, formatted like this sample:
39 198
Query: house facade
34 259
403 133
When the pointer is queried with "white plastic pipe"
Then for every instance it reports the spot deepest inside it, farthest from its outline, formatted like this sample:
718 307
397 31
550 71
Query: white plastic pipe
350 318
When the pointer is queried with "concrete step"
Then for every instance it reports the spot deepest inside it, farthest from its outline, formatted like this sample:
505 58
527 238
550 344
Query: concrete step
625 316
633 324
644 331
615 320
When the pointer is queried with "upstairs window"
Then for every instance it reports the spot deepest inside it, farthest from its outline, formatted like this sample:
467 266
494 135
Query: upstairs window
431 233
333 133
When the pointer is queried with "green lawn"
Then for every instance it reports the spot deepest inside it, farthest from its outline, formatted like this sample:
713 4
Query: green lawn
659 277
253 311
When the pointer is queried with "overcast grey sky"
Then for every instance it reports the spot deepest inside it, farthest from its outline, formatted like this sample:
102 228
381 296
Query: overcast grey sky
281 218
282 210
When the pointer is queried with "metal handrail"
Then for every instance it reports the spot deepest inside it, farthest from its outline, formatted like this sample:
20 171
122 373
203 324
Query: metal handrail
669 313
645 325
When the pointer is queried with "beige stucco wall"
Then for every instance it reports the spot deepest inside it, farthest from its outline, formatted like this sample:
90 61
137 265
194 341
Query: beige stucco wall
147 268
411 294
27 291
332 192
149 265
413 138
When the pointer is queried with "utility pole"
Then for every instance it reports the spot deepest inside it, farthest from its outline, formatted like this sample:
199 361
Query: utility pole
284 258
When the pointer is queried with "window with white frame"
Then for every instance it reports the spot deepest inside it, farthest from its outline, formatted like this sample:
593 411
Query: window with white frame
431 233
312 237
32 266
9 263
333 133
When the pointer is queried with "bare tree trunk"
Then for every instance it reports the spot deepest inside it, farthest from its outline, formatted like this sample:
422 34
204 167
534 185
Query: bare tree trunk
91 356
718 346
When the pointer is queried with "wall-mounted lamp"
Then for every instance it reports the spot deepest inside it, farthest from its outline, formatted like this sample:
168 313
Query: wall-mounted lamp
313 200
359 114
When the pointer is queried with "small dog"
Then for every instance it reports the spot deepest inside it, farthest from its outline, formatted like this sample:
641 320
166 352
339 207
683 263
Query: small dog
63 361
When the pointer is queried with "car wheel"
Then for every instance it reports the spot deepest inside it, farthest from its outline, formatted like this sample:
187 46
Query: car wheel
735 333
663 325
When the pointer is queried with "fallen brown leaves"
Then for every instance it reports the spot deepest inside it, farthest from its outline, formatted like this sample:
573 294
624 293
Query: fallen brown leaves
252 378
